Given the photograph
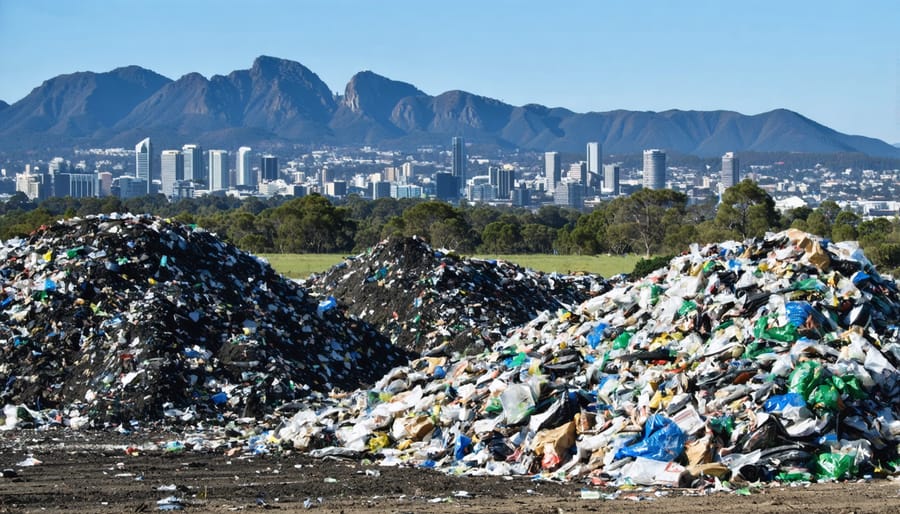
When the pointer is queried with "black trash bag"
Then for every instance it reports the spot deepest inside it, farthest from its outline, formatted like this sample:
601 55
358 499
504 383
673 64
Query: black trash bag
560 412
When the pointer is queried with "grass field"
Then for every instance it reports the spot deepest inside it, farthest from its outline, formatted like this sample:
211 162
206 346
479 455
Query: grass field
303 265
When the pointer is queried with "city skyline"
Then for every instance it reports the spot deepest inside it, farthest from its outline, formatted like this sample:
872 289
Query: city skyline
776 52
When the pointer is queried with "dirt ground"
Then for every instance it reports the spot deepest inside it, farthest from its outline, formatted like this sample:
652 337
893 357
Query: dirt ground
97 473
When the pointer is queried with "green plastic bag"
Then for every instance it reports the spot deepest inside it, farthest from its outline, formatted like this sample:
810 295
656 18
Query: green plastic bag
621 342
793 476
785 334
808 284
686 307
850 385
825 397
804 379
722 425
835 466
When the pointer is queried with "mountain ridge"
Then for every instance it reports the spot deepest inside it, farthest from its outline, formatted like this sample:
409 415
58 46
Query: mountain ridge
281 101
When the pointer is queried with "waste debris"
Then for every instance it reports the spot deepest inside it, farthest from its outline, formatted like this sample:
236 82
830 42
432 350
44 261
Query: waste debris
431 300
772 359
116 318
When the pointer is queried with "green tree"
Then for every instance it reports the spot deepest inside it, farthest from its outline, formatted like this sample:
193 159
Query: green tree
747 210
643 216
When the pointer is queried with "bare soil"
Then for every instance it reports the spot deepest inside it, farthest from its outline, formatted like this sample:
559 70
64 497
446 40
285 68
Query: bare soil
99 473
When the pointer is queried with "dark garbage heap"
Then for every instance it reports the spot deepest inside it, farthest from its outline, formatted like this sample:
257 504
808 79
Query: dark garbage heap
114 318
432 301
769 360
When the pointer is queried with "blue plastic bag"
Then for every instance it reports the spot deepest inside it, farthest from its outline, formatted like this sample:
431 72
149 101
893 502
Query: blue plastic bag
779 402
326 305
663 441
462 447
596 336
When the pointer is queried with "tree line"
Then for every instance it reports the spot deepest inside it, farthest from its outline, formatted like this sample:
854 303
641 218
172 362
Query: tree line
647 222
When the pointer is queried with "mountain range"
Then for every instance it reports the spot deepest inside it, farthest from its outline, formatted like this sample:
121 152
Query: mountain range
278 101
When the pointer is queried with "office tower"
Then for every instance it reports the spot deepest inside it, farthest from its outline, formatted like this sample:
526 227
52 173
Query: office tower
569 194
218 170
611 179
654 169
594 157
446 186
731 173
268 168
408 170
578 172
379 189
193 164
106 181
171 167
458 166
506 179
245 176
521 197
143 162
552 169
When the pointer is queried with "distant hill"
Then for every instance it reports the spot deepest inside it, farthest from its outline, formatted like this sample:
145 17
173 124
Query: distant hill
280 101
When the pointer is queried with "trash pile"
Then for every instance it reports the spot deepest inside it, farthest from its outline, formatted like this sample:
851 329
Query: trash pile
120 317
432 301
774 359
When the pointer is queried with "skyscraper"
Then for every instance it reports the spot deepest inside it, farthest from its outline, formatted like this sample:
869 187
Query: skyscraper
245 176
506 179
731 173
193 163
552 169
611 179
171 166
458 165
143 162
654 169
218 170
594 157
268 168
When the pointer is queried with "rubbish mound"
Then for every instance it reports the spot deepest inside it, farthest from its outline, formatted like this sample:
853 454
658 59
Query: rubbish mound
429 300
122 317
769 360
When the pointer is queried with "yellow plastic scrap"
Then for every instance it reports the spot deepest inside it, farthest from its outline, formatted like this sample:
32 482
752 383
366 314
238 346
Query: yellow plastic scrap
48 256
378 441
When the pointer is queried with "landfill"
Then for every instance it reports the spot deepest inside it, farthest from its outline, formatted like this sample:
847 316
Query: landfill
433 301
119 318
769 360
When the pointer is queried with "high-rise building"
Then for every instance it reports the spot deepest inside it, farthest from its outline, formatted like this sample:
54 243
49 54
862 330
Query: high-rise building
218 170
552 169
171 170
193 164
268 168
611 179
506 180
143 162
569 194
578 172
380 189
245 176
458 166
654 169
106 181
731 173
408 170
446 186
594 157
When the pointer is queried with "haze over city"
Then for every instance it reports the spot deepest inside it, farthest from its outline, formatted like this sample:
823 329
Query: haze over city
834 62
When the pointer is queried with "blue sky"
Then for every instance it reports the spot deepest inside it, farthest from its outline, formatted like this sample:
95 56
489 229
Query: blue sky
836 62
